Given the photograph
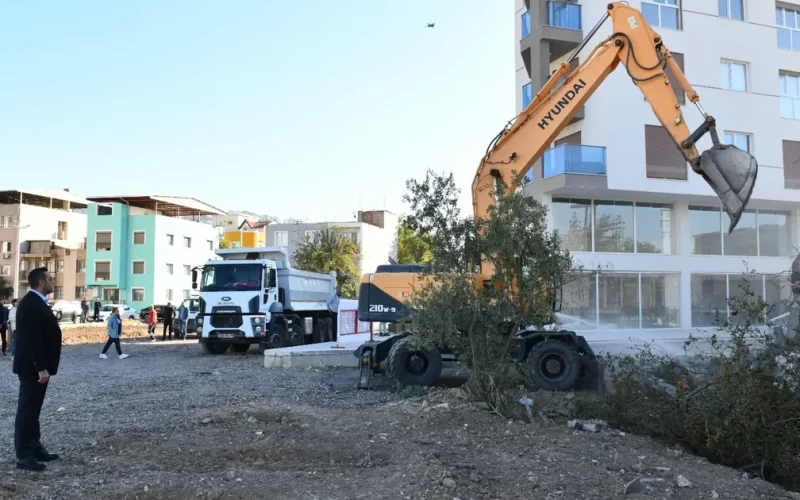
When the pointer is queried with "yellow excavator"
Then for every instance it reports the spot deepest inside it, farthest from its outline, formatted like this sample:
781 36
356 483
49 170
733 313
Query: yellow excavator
557 359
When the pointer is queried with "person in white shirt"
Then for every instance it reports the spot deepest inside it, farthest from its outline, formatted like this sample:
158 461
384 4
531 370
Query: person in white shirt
12 324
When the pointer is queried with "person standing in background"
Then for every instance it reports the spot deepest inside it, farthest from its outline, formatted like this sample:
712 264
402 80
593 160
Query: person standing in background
96 317
152 322
168 315
114 329
4 326
12 325
84 310
39 337
183 318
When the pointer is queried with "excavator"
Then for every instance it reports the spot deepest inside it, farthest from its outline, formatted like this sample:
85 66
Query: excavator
557 359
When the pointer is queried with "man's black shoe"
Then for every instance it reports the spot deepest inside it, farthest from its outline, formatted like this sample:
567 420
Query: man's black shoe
43 456
30 463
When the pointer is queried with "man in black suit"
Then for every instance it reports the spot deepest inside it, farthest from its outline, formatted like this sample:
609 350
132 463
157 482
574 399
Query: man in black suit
38 352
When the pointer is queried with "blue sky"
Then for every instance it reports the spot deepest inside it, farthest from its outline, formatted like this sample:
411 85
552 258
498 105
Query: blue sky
279 107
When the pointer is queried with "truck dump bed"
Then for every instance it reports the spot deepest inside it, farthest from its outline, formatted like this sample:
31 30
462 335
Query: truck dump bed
304 290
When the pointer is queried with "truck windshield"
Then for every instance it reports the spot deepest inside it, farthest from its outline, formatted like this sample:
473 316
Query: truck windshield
231 278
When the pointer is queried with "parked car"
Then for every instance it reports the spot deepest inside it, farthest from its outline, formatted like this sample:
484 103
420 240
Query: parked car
64 309
125 312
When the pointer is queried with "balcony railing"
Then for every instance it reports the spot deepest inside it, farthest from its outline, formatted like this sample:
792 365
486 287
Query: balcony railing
564 15
574 159
525 24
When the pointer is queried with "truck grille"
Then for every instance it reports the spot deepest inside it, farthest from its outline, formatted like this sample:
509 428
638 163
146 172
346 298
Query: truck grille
226 317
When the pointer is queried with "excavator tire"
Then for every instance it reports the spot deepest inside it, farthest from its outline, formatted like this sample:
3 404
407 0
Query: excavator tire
411 366
554 365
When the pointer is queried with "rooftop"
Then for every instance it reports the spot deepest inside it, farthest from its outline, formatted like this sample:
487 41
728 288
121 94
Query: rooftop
171 206
42 198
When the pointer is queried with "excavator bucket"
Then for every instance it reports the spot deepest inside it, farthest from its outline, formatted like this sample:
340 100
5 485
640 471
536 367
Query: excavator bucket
732 173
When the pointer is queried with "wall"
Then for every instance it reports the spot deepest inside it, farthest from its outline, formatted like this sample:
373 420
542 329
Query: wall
117 223
11 234
178 256
144 252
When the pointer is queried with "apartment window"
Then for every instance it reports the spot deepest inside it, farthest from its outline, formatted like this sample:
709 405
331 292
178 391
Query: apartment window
62 230
187 242
138 237
662 157
137 294
5 247
102 241
573 222
527 96
210 245
104 209
732 9
169 268
80 266
281 238
613 226
5 270
525 24
710 294
186 294
80 292
312 235
6 220
171 239
733 76
662 13
654 228
788 23
138 267
791 164
790 96
351 236
58 293
169 294
758 233
102 271
739 139
187 270
59 266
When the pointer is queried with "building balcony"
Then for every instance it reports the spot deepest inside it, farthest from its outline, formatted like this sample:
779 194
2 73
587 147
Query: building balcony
564 15
574 159
563 28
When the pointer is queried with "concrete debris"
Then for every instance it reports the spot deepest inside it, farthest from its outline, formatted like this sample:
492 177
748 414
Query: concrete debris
639 485
588 426
448 483
683 482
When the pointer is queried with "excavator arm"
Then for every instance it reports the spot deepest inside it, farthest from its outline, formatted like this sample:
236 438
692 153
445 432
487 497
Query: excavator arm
730 171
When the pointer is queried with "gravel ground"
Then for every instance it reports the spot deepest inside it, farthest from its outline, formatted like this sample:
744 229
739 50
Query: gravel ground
172 422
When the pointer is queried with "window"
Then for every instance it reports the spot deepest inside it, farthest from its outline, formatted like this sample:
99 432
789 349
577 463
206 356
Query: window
573 222
104 209
80 292
171 239
613 226
62 230
80 266
788 23
732 9
138 237
579 303
790 96
59 266
662 158
759 233
6 221
187 242
733 76
210 245
740 140
281 238
662 13
618 297
169 294
351 236
102 271
791 164
137 294
654 228
660 300
169 268
102 241
525 24
187 270
710 294
312 235
5 270
709 298
5 247
138 267
527 97
186 294
58 293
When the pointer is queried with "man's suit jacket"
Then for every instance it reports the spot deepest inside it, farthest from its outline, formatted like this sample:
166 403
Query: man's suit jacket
38 338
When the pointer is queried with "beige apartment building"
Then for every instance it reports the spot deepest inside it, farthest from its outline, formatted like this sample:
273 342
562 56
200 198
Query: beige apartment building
68 266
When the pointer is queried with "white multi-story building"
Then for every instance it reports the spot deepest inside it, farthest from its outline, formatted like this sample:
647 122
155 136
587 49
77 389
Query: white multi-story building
622 196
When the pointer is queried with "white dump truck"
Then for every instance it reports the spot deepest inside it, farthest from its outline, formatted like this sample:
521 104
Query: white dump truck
254 296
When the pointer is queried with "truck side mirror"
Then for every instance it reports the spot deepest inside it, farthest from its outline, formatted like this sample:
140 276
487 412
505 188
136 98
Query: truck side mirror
194 279
273 278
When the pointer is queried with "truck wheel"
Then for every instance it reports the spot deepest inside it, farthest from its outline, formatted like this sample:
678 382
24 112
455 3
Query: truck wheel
327 330
240 347
296 335
413 366
554 365
215 347
276 338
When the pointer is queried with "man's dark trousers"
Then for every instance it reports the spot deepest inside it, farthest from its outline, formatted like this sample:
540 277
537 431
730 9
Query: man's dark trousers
26 427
